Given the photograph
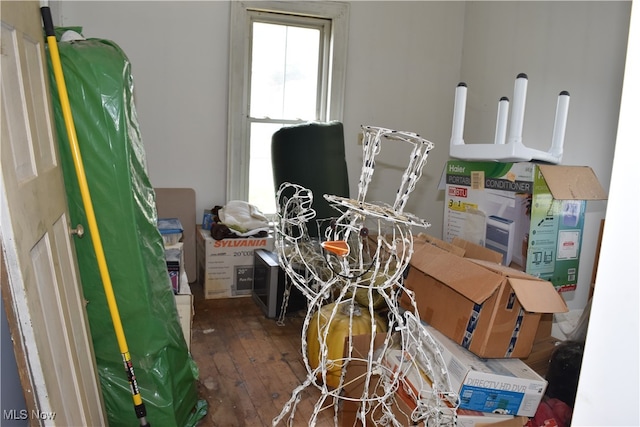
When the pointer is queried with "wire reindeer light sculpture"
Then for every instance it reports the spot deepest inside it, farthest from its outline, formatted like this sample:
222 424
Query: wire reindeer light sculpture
355 269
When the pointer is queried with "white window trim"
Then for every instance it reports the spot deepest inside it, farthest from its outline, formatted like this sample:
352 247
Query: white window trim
237 142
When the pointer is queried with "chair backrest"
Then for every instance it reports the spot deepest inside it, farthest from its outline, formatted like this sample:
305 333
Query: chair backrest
312 155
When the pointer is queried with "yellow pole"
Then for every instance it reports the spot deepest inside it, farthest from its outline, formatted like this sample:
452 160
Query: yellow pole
91 217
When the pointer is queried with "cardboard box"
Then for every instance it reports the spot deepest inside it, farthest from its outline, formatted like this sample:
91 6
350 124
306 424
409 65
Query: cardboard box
540 355
487 308
225 267
505 386
467 418
544 327
403 406
460 247
532 213
355 378
414 386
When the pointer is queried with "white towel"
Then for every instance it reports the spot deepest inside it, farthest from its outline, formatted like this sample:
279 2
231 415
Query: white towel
243 218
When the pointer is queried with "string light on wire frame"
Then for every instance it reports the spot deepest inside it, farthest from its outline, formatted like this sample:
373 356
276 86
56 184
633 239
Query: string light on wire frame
352 278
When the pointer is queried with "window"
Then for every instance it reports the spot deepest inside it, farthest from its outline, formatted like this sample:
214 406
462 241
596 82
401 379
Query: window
287 65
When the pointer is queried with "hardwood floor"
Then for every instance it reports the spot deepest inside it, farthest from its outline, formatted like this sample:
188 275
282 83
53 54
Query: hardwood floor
249 365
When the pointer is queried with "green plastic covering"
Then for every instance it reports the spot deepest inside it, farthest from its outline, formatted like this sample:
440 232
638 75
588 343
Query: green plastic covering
100 87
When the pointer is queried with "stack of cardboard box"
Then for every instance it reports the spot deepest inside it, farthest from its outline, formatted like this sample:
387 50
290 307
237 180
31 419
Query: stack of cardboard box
484 318
534 214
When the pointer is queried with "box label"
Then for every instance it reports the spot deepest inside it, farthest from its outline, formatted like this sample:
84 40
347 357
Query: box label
490 400
240 243
227 265
243 279
471 325
555 237
514 334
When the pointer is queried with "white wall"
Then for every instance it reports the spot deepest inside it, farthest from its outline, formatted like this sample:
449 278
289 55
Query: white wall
404 58
403 63
609 388
179 56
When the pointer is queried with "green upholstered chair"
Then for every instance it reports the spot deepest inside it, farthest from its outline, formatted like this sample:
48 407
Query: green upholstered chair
312 155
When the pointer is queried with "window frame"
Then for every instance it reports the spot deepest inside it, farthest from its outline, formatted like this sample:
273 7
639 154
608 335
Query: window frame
238 144
321 24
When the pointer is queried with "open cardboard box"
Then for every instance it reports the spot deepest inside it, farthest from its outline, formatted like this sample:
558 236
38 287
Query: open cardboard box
532 213
487 308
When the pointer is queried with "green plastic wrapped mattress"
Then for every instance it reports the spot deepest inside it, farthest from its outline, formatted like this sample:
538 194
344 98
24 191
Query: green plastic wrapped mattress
100 86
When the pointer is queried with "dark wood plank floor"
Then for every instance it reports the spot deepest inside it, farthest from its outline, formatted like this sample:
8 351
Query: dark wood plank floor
249 365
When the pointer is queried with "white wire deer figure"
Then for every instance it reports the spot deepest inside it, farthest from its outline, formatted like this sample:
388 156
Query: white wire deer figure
364 252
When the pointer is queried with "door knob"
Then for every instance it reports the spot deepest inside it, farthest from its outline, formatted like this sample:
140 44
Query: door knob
78 231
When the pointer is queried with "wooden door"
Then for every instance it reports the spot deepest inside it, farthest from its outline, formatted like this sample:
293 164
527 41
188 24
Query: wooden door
42 293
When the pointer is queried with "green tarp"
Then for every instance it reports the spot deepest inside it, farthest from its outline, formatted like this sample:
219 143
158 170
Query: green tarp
100 86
